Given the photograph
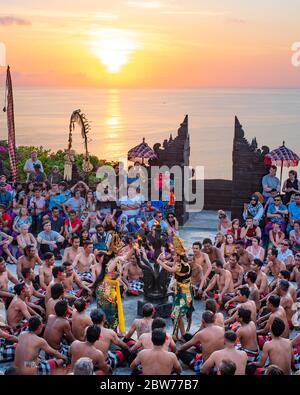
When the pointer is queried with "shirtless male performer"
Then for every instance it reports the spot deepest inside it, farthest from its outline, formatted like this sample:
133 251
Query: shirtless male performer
261 279
245 258
279 350
222 280
18 312
87 348
83 263
202 260
27 358
145 342
29 260
5 277
142 325
80 320
286 300
246 334
108 337
197 274
230 353
73 278
250 280
210 337
45 271
265 322
58 328
274 266
157 361
213 252
39 304
211 305
70 253
235 269
243 301
286 275
295 276
59 275
57 294
132 276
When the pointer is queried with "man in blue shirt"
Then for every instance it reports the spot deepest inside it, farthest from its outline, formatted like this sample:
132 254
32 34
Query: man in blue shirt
294 212
276 213
269 182
56 198
57 221
76 203
50 241
5 196
38 175
158 220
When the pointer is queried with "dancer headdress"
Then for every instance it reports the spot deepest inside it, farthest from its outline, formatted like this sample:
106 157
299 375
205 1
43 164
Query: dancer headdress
115 244
178 245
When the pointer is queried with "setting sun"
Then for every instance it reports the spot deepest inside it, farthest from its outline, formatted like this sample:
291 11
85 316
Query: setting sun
113 47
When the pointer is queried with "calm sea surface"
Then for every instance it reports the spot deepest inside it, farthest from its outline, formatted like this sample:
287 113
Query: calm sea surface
121 118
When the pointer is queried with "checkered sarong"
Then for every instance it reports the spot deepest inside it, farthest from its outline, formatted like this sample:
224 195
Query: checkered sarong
21 327
136 285
86 276
112 359
296 351
197 362
45 368
7 351
252 355
64 349
75 292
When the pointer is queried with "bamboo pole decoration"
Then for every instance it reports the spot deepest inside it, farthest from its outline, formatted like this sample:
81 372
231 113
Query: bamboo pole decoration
77 117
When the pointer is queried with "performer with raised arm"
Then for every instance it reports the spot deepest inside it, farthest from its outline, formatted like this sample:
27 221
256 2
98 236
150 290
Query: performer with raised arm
183 298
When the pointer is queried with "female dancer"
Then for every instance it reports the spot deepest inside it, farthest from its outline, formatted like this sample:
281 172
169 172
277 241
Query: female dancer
107 287
183 298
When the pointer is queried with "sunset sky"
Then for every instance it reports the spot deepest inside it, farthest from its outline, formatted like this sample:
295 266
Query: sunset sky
151 44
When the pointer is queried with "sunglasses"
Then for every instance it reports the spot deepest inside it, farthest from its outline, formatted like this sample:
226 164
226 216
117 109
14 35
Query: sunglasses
277 200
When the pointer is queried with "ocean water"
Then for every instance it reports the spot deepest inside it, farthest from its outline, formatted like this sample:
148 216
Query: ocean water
121 118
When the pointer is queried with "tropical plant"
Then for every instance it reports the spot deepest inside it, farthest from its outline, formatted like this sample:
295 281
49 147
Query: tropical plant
49 159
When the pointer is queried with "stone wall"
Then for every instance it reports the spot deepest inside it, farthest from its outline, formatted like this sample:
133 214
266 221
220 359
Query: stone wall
175 151
248 169
217 194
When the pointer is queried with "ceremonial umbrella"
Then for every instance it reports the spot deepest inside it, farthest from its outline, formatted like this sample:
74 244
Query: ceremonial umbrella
141 151
282 156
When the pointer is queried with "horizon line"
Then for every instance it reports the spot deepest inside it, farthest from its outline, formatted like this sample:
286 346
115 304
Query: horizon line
155 88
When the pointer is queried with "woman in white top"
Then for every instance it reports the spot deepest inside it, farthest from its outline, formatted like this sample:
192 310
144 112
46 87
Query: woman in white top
256 250
224 222
24 239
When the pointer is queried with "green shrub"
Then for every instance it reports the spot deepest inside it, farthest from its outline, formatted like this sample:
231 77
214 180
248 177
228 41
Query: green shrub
49 159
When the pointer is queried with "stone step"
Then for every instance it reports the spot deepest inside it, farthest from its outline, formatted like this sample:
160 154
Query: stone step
206 220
